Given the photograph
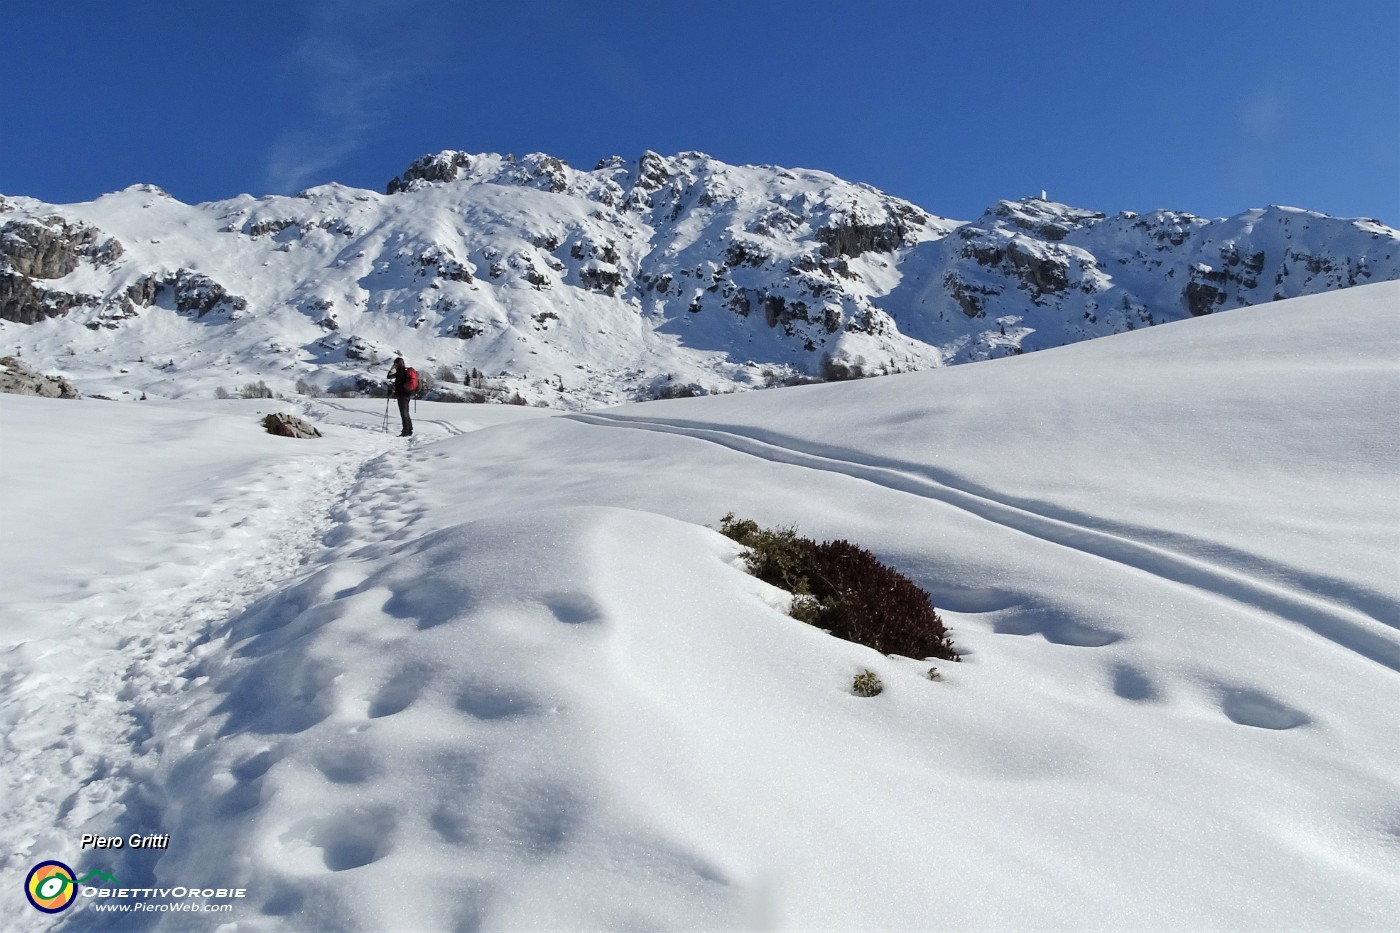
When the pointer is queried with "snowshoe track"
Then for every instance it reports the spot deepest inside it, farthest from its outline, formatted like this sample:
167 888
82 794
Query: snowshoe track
1359 621
142 640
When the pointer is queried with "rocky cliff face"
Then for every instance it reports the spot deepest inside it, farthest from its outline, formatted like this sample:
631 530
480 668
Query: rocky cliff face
37 249
644 277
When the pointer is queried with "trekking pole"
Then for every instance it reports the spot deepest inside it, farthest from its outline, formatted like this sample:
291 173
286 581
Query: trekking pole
386 409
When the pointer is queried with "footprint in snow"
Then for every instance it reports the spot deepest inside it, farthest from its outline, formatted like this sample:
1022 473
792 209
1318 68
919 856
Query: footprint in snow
247 790
352 839
1058 628
346 765
1258 709
573 608
1131 683
488 703
399 693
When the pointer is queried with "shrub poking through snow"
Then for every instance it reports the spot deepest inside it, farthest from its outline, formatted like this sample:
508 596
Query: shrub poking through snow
806 608
867 684
844 589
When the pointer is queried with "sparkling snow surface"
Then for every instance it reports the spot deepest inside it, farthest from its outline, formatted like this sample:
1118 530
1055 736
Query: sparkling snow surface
502 676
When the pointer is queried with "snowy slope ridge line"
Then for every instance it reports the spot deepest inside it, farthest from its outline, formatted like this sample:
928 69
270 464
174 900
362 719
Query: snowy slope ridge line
1374 605
1346 595
1346 625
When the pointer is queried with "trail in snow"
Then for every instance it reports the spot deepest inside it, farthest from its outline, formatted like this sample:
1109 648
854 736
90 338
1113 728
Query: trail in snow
76 708
1351 618
260 681
145 634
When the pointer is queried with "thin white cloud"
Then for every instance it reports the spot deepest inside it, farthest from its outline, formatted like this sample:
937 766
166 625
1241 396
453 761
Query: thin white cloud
346 80
1262 114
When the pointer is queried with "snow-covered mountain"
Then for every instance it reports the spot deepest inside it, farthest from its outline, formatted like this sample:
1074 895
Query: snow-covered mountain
658 276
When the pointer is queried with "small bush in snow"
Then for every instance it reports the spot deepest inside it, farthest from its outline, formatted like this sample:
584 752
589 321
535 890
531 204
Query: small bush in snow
445 374
776 555
221 392
257 389
806 608
866 684
844 589
933 674
677 391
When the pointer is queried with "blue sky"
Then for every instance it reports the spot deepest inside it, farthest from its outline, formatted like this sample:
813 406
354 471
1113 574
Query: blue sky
1209 107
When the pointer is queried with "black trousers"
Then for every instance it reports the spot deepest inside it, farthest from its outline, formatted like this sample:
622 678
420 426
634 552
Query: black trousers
404 401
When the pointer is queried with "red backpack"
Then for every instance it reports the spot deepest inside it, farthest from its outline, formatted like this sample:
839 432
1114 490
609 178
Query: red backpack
410 380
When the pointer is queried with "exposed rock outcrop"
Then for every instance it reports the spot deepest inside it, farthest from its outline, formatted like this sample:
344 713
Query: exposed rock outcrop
41 249
52 248
850 236
651 171
1205 291
444 265
1044 219
24 302
285 425
442 167
18 379
193 293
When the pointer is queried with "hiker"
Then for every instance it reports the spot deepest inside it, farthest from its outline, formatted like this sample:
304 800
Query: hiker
402 385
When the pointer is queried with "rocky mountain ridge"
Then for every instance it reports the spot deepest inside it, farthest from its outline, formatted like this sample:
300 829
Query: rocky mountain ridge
656 276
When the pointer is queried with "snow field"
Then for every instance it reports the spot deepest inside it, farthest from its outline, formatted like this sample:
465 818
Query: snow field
1114 717
502 677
